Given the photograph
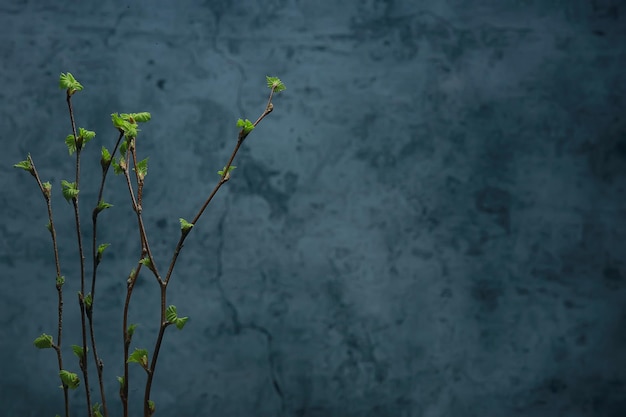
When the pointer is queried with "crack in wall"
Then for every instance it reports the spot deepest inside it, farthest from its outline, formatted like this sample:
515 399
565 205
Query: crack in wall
238 327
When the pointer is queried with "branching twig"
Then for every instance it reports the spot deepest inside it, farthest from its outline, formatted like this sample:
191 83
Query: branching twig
243 133
127 126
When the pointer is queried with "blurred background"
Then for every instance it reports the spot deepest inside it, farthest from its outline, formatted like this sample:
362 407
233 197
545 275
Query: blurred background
430 223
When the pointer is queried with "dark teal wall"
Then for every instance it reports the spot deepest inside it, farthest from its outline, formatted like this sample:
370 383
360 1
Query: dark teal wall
430 223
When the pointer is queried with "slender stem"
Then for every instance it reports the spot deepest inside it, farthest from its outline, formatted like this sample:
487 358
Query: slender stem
59 283
81 295
157 347
127 337
94 252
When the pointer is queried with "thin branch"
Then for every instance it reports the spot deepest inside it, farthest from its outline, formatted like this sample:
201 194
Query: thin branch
59 282
94 217
130 285
81 295
163 283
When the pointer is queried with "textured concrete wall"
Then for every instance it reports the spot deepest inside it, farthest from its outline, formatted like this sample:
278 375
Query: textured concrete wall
431 223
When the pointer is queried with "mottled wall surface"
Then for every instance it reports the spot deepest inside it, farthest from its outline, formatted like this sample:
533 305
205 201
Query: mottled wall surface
431 223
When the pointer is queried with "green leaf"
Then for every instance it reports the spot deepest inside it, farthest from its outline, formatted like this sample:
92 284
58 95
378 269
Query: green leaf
68 82
142 168
71 144
221 171
78 351
124 147
118 122
246 126
85 136
119 165
105 157
101 248
96 410
69 190
25 165
69 379
180 322
89 300
140 356
103 205
146 262
185 226
44 341
60 280
129 129
47 189
172 316
131 329
274 83
136 117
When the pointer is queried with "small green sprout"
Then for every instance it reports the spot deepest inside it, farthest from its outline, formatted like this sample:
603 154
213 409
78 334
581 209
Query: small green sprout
69 190
146 262
69 379
47 189
246 126
26 165
103 205
78 351
96 410
101 248
125 126
44 341
105 158
172 317
140 356
275 84
119 166
142 168
221 171
131 329
69 83
185 226
88 301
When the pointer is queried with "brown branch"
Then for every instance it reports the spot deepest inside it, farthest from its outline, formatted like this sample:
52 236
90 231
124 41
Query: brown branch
94 252
81 295
59 284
